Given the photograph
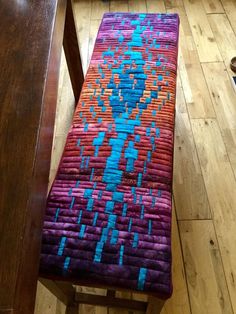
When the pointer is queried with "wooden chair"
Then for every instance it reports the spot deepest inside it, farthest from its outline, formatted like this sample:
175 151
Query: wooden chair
108 216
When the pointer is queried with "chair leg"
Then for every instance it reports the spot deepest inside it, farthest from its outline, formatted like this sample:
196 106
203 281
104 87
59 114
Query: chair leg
72 308
154 305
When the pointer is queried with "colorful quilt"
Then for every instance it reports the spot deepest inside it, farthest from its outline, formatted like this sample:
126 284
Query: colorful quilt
108 216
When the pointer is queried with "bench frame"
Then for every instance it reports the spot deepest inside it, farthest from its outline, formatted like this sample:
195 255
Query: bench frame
66 291
68 295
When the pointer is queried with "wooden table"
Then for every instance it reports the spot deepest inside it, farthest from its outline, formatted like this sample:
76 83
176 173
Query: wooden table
31 40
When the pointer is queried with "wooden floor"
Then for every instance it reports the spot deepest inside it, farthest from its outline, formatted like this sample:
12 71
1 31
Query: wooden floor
204 237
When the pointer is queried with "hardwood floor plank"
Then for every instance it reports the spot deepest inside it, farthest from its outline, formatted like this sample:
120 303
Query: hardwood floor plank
205 276
57 150
119 6
230 9
174 5
65 107
189 190
223 98
82 11
224 36
63 67
221 186
64 114
60 308
202 33
94 26
137 6
47 303
156 6
194 85
99 8
212 6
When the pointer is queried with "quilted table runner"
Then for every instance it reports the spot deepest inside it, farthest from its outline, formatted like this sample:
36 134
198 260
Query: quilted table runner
108 216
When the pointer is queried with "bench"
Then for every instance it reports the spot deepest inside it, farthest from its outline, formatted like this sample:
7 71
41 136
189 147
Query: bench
108 216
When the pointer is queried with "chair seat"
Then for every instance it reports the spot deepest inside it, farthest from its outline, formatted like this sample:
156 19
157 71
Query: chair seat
108 216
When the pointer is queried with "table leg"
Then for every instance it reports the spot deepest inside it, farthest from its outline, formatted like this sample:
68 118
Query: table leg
72 52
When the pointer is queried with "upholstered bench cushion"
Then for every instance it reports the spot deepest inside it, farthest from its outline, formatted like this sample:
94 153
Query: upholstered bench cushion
108 216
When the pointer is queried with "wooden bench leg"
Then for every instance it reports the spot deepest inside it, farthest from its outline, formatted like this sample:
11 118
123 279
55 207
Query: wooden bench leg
111 293
72 308
154 305
64 291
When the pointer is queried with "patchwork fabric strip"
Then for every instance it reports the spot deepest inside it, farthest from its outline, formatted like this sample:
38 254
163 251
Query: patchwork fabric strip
108 216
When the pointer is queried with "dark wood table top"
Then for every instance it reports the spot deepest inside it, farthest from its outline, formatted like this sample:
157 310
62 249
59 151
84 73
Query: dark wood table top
30 48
